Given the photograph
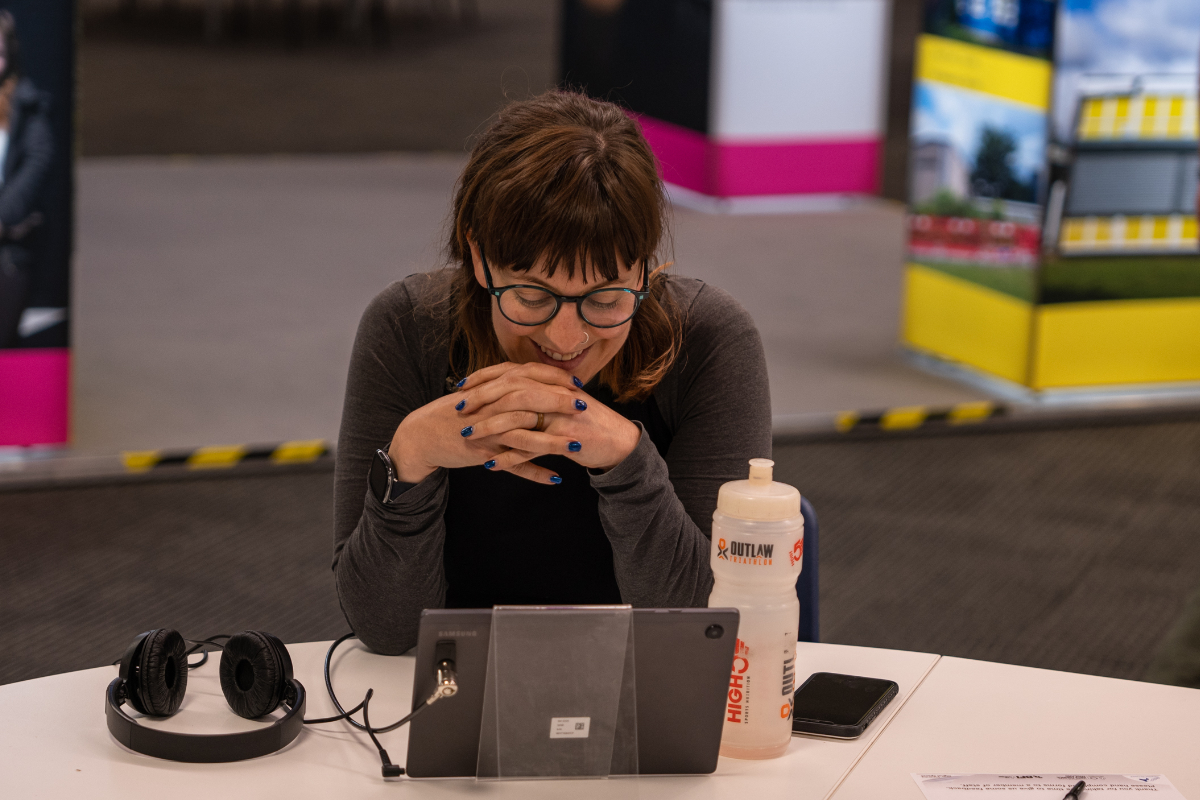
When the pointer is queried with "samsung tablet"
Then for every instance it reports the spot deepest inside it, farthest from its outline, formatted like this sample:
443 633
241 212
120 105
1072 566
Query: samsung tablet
682 663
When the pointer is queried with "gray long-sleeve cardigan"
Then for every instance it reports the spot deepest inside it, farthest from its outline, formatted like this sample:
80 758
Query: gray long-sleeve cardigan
656 511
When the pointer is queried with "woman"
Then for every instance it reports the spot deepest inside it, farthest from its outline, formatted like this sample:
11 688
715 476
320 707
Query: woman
554 414
26 153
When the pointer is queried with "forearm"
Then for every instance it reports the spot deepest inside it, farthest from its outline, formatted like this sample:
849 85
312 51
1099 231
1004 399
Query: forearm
390 567
660 556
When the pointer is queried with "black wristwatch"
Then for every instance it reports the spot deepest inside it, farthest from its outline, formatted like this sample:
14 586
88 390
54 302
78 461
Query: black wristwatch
382 479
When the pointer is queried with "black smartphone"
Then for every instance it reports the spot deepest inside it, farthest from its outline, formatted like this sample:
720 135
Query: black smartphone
829 704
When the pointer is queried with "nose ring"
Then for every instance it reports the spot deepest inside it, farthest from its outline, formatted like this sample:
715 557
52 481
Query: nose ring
586 336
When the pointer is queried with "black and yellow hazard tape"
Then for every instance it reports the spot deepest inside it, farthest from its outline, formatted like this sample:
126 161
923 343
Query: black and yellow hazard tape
226 456
907 418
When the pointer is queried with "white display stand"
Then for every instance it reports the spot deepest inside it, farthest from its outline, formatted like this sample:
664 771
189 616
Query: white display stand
797 96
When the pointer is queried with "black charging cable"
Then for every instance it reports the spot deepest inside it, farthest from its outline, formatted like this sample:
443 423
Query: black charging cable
447 686
337 704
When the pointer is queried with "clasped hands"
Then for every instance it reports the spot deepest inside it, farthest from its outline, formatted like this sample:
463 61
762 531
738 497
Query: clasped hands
489 420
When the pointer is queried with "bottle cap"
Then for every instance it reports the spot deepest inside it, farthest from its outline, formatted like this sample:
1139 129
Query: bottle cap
759 498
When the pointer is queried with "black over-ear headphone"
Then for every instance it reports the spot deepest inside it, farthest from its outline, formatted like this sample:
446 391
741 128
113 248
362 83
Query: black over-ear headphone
256 677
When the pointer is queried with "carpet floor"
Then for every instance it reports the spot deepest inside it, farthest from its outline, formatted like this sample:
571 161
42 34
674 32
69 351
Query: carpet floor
1069 549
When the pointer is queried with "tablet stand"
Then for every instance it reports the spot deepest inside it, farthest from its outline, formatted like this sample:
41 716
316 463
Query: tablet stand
559 699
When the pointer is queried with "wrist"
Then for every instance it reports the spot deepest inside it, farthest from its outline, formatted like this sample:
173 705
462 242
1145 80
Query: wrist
631 434
407 465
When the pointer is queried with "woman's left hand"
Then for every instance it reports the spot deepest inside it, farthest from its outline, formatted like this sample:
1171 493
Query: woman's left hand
596 436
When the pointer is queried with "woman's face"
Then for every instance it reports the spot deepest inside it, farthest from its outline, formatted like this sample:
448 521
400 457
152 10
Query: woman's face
566 341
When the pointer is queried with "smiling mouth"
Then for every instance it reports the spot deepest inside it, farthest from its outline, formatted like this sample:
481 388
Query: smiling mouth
560 356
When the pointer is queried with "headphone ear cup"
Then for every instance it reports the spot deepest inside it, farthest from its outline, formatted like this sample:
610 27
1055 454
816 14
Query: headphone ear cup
162 673
255 672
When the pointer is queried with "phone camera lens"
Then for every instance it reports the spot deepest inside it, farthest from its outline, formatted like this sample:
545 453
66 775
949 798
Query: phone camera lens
714 632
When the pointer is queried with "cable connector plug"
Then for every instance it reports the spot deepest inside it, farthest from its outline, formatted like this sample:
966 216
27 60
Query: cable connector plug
446 682
389 769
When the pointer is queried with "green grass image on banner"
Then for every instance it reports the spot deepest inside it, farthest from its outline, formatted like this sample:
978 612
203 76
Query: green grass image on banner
1018 282
1077 280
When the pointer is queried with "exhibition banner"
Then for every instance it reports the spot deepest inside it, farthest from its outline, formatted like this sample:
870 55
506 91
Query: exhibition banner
37 82
977 162
1122 216
1053 235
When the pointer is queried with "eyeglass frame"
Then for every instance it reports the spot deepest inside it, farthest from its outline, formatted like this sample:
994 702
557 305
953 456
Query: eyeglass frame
638 296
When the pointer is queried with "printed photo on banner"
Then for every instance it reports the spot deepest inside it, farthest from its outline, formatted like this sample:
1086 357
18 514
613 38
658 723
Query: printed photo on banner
37 84
976 164
1121 216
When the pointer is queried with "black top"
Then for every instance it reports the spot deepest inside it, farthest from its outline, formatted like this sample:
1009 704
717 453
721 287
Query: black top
558 556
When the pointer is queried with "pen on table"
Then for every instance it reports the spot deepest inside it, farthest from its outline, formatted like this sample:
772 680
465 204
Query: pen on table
1075 791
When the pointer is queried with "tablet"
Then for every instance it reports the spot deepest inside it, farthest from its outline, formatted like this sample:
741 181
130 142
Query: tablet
682 665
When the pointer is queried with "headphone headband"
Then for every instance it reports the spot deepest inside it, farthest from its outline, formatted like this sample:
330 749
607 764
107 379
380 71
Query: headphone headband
204 748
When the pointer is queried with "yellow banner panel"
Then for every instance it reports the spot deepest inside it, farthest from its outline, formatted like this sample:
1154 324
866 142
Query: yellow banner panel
1117 341
966 322
997 72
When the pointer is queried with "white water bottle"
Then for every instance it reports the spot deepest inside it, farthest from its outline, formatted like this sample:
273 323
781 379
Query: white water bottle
757 544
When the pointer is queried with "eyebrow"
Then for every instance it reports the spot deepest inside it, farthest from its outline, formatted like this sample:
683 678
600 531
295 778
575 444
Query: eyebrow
527 277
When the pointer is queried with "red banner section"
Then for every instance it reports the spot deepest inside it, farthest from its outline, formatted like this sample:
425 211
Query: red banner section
974 241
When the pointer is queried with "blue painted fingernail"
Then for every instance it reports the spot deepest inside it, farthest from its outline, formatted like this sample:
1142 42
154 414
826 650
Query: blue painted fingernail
459 385
580 405
578 383
461 405
574 447
467 431
555 480
489 464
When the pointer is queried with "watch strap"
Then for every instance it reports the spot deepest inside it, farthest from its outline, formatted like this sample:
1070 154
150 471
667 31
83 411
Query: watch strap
392 487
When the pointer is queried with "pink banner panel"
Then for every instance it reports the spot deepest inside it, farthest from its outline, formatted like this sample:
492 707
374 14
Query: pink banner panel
745 169
34 396
682 154
797 167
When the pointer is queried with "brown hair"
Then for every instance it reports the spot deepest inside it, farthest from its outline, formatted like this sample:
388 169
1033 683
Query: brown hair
12 50
572 179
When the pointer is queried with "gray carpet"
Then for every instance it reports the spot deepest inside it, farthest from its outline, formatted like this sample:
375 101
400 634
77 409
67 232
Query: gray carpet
1072 549
1069 549
86 569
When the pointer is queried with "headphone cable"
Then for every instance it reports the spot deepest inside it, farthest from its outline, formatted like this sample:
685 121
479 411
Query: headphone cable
343 712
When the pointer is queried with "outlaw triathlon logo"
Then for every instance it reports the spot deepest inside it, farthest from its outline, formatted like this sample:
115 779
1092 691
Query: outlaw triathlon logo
744 552
797 554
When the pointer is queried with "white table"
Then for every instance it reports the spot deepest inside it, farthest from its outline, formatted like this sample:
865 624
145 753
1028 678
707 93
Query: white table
54 742
979 717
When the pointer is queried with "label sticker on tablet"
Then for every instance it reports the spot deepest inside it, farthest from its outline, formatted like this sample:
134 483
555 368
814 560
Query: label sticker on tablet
570 727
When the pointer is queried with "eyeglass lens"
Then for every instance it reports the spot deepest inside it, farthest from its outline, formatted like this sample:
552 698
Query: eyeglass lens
603 308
